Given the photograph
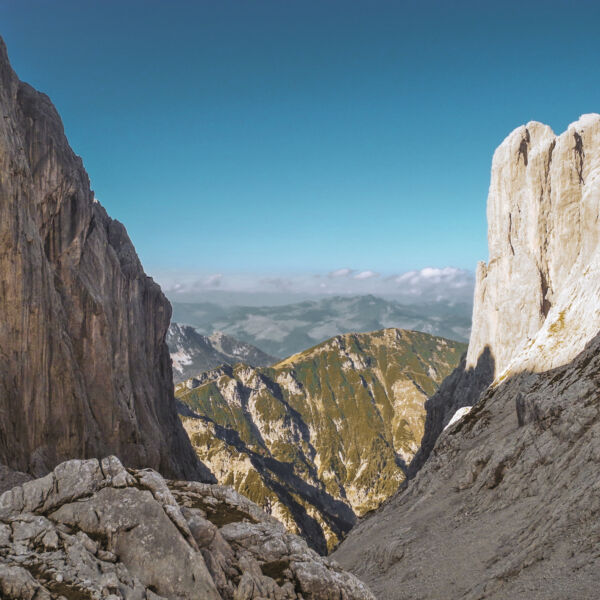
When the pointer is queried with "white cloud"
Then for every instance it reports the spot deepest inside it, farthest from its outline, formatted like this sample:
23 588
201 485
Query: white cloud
436 283
340 273
423 285
366 275
214 280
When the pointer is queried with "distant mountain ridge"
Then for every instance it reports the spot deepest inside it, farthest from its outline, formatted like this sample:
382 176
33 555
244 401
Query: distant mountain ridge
323 436
193 353
287 329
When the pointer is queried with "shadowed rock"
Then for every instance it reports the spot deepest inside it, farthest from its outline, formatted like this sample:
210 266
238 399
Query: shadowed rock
84 368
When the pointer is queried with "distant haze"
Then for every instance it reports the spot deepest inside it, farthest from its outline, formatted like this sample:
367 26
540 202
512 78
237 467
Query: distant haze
431 284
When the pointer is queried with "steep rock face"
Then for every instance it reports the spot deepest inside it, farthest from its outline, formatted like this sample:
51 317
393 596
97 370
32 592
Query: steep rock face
93 529
537 301
84 370
508 504
193 353
324 435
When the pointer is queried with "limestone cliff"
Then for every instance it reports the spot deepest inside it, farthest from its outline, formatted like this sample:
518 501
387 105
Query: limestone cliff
507 504
324 435
84 368
537 301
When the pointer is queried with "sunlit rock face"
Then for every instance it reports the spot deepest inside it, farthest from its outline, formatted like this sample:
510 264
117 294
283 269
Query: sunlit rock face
84 368
537 301
504 503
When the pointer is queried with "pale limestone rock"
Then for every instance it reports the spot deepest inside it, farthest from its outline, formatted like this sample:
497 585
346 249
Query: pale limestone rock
537 301
90 532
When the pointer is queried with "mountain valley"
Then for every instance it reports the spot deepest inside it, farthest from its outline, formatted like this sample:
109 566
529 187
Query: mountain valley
325 435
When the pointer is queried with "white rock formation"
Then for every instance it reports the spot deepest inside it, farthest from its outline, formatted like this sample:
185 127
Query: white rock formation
537 301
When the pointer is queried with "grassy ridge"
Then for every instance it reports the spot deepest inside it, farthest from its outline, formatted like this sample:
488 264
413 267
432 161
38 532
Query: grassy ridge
322 436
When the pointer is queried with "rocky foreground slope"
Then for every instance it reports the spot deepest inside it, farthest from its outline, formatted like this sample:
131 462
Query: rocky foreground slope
324 435
507 506
193 353
92 529
84 368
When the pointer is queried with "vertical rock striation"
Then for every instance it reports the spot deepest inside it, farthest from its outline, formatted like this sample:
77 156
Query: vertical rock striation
84 368
507 504
537 301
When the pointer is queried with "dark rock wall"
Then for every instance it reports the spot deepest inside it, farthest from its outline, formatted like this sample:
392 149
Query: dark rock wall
84 368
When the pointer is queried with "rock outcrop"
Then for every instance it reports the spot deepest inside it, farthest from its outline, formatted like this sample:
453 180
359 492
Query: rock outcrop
193 353
537 301
507 504
84 368
93 529
325 435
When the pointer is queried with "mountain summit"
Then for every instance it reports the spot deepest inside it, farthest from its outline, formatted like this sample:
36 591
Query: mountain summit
325 435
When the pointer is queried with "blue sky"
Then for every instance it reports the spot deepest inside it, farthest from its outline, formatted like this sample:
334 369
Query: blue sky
278 139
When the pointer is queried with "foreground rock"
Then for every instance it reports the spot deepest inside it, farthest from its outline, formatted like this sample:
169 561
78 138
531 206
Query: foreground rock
84 368
324 435
95 530
508 504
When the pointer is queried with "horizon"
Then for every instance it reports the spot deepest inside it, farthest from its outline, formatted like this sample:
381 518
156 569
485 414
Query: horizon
356 157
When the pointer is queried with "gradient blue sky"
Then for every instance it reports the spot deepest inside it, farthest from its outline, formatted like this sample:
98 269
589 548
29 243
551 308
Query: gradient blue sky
298 136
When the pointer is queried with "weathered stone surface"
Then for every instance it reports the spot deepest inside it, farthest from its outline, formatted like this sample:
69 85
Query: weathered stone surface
324 435
93 529
84 368
537 301
507 505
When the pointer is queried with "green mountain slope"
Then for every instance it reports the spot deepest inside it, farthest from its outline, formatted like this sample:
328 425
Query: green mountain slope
323 436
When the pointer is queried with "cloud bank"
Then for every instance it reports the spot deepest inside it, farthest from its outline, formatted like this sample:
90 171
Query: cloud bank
422 285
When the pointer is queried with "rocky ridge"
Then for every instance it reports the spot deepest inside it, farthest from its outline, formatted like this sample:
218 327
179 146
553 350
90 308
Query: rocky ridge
193 353
507 505
93 529
84 368
324 435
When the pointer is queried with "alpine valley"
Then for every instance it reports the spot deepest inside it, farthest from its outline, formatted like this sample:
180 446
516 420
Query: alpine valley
325 435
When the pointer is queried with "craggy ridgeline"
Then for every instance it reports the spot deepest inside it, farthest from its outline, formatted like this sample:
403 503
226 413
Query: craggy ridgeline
325 435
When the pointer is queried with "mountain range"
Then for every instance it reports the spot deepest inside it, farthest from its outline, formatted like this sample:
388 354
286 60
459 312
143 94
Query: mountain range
286 329
325 435
193 353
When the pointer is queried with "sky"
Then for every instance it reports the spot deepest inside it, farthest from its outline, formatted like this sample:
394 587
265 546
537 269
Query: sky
303 145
